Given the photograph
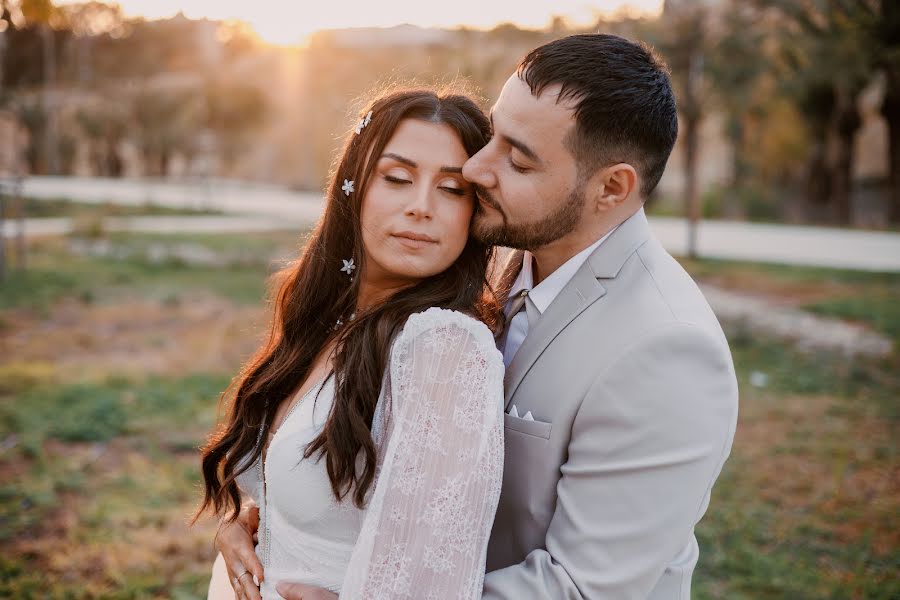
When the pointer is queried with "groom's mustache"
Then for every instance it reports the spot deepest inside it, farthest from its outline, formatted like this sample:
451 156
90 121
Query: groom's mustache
485 197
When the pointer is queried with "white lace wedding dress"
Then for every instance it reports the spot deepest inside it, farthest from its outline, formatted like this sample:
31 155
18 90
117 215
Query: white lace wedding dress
423 534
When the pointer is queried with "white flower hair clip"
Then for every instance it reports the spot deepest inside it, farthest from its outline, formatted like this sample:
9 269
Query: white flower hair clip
363 122
340 322
348 187
348 267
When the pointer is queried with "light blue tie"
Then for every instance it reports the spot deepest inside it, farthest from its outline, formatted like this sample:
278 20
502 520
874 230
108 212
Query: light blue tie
520 301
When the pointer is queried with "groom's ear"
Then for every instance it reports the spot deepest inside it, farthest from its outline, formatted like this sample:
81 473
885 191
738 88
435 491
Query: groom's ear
613 185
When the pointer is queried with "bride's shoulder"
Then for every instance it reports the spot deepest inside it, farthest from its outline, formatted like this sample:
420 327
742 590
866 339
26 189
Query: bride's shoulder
446 324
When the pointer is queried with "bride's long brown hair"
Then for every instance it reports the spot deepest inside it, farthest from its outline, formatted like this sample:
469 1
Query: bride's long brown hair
312 294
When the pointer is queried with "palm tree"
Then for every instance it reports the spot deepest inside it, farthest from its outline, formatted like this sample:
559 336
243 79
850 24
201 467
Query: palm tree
41 13
825 53
885 31
735 75
684 40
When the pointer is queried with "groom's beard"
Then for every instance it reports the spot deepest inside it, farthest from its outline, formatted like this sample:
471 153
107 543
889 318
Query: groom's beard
527 236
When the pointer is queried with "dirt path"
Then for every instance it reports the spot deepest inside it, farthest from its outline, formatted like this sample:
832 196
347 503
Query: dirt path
809 331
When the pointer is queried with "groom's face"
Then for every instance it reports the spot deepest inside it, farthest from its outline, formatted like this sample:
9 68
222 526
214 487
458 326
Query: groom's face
526 179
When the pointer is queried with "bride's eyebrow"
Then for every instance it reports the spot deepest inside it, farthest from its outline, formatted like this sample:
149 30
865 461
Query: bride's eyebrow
414 165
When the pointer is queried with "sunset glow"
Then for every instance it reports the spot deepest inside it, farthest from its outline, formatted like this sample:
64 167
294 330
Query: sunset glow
280 22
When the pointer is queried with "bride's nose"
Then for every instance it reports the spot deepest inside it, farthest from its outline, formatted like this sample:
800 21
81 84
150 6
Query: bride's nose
421 203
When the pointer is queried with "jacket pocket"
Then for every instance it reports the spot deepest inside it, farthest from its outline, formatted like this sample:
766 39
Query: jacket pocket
528 427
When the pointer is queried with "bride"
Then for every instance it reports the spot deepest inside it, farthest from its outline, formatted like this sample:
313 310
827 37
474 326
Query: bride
368 428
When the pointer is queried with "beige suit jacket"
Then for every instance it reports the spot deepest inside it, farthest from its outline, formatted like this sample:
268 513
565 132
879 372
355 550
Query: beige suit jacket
631 384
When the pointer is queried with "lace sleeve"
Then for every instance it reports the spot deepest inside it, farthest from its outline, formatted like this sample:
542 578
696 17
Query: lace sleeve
427 525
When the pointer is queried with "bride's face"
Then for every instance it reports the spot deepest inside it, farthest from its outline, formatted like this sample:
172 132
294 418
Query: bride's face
417 207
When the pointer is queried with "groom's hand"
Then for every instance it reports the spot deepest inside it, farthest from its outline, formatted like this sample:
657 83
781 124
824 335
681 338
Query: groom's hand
300 591
236 543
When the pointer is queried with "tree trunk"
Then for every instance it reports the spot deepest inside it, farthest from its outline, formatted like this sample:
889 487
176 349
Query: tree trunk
691 197
20 221
847 122
2 235
733 207
890 109
692 116
818 183
51 148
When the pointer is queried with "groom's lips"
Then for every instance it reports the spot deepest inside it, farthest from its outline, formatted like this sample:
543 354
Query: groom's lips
485 198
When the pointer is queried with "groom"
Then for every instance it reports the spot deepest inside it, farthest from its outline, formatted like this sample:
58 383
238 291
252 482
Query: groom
621 399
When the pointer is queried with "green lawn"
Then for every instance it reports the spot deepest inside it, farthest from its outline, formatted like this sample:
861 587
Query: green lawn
808 503
55 273
100 469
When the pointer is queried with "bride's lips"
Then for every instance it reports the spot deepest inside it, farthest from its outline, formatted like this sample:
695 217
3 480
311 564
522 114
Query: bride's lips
411 239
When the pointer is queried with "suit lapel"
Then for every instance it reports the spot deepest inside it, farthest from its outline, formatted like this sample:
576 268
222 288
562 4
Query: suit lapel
580 292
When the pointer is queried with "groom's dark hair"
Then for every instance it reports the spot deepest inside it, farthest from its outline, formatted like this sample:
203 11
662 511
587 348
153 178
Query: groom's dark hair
624 104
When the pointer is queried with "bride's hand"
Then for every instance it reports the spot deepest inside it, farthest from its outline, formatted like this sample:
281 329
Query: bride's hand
236 543
300 591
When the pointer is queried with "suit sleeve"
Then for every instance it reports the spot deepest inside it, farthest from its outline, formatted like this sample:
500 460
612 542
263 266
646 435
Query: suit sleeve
647 443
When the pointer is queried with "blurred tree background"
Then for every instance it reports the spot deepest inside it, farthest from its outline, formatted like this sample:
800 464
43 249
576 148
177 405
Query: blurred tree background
790 109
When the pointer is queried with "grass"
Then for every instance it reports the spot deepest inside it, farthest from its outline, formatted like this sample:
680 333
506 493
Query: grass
64 207
100 469
107 468
859 296
785 276
880 310
55 273
807 505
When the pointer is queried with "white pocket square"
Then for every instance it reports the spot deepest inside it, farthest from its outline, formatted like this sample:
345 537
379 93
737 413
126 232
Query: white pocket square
514 412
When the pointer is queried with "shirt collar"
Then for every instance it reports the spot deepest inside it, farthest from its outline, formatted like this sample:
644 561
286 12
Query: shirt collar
547 290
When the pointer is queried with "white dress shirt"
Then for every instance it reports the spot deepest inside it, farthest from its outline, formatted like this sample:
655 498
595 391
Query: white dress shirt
541 294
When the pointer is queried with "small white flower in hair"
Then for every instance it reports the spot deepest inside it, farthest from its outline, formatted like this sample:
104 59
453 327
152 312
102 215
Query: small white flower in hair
348 187
348 267
363 122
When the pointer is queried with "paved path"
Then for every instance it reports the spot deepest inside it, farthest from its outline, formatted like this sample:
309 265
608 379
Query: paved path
168 224
228 196
785 244
269 207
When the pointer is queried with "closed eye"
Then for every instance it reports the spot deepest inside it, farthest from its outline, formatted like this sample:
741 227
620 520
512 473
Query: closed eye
453 190
396 180
517 168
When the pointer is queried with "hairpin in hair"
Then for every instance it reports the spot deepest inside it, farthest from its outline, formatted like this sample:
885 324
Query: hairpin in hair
363 122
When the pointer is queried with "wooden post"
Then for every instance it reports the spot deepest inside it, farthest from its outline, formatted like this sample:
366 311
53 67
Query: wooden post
2 233
21 249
